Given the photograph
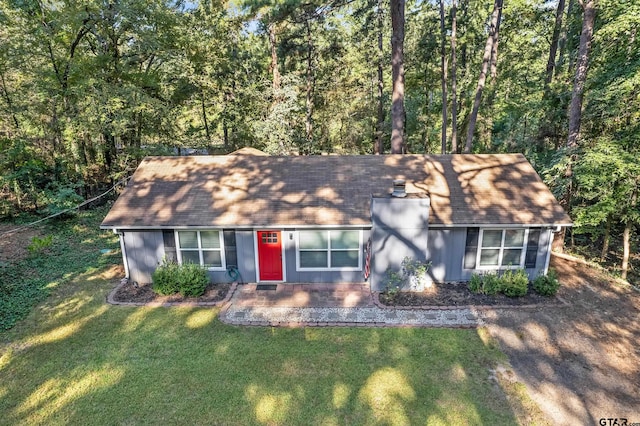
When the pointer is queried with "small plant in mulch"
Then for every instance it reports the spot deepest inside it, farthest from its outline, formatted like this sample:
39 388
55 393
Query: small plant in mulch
393 281
547 285
189 280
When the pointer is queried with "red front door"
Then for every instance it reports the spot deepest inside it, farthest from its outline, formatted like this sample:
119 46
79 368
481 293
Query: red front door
270 255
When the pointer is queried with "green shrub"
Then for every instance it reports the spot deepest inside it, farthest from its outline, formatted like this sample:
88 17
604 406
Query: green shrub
511 283
475 283
189 280
515 283
489 284
166 279
492 284
193 280
547 285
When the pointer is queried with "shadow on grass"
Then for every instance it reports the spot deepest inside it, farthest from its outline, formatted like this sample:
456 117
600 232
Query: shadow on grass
78 360
579 362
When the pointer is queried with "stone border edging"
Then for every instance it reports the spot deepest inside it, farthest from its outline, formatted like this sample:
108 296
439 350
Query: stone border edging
376 301
111 299
372 324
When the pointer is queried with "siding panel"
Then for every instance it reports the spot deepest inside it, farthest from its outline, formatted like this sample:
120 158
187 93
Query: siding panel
145 251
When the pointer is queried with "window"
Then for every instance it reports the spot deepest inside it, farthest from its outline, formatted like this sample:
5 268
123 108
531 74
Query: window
501 248
329 250
202 248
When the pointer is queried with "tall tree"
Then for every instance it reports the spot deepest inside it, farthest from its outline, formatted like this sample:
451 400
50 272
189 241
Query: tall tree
582 63
486 60
553 46
454 100
397 76
443 64
378 146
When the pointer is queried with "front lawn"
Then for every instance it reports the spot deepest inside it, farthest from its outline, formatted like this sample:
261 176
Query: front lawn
76 360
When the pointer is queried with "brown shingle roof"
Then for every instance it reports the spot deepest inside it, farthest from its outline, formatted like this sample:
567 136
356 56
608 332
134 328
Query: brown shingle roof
250 190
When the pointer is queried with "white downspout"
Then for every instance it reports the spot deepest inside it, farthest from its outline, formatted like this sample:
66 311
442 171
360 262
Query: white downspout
124 253
548 259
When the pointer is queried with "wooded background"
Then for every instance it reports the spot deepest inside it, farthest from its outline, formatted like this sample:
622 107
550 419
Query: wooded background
90 87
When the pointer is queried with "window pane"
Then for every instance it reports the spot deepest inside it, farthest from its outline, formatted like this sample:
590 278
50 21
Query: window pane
489 257
511 257
188 239
534 237
340 259
210 239
313 259
313 240
491 238
345 240
514 238
212 258
190 257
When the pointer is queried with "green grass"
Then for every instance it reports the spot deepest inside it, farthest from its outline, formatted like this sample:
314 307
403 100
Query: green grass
76 360
74 249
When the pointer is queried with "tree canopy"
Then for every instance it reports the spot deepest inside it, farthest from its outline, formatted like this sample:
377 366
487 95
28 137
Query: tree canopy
88 88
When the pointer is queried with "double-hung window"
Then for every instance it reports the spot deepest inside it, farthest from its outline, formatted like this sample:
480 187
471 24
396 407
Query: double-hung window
329 250
503 248
203 248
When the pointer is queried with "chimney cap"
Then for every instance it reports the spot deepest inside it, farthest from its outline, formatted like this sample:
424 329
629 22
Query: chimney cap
399 188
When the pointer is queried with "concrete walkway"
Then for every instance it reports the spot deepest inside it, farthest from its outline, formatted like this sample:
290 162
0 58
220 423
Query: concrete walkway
322 305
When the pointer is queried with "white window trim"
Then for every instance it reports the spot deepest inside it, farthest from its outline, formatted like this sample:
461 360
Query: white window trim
502 247
328 250
200 249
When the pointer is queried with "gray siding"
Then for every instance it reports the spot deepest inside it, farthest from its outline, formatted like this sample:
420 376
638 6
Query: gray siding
295 276
145 251
399 230
446 251
246 256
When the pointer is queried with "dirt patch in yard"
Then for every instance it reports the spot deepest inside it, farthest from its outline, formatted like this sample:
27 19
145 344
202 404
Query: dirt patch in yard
13 247
143 293
580 362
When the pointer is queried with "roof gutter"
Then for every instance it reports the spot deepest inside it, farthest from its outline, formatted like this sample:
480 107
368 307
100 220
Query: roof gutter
555 226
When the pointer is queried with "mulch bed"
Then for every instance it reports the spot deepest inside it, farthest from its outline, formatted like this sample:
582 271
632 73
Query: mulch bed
144 294
458 294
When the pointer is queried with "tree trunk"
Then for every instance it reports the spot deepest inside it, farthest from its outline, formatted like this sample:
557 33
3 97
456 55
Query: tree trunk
378 144
486 59
204 116
7 98
494 47
605 240
553 47
443 63
562 42
397 76
575 111
626 237
454 100
310 76
225 134
273 67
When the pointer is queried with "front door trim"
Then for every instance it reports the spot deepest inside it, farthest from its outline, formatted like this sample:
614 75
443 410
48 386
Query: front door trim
257 254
